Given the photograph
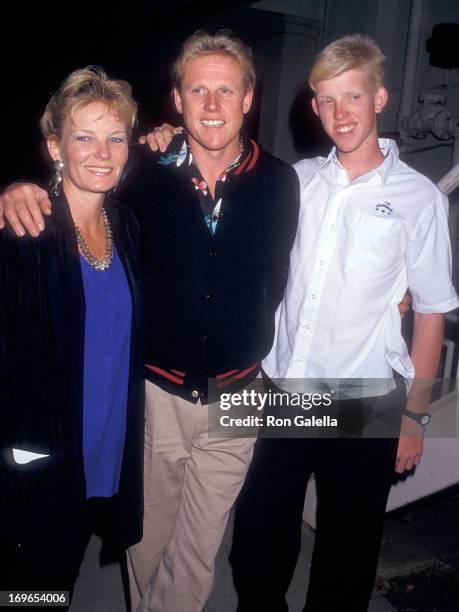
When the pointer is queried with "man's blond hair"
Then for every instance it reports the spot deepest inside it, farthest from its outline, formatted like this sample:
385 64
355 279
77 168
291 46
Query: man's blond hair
347 53
201 43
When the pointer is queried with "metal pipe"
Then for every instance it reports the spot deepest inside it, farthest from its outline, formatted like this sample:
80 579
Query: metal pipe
450 181
411 60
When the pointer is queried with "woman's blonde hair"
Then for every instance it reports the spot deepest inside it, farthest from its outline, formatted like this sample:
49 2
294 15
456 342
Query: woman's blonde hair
80 88
202 43
349 52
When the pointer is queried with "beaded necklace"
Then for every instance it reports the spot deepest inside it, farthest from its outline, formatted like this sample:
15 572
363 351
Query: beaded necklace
105 262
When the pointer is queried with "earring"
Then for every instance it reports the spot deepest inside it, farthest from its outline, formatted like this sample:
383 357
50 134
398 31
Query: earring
57 178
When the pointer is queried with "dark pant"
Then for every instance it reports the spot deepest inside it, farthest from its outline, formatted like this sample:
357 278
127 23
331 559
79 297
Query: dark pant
46 556
353 478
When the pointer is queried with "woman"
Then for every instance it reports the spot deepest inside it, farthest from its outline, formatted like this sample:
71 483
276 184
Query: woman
71 431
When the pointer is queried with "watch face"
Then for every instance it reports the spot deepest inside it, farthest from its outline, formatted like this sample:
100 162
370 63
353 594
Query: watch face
425 419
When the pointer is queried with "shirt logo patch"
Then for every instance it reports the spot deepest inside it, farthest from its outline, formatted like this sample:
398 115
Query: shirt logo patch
384 209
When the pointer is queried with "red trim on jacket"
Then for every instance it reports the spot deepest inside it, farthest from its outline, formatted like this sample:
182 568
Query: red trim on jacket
250 160
225 377
167 375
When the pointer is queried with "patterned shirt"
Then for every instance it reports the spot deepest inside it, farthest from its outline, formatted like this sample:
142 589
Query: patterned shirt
182 157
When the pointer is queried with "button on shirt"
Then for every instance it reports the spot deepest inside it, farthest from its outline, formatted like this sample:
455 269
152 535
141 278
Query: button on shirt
359 246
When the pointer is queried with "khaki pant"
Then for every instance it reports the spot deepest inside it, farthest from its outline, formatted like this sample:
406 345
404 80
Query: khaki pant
191 483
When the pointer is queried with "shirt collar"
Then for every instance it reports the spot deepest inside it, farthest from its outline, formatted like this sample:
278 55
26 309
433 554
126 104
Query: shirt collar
388 148
179 154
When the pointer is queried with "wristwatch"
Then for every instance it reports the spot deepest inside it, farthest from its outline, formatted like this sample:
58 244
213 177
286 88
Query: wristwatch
423 418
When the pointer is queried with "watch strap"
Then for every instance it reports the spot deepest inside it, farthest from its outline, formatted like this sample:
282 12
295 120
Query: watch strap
422 418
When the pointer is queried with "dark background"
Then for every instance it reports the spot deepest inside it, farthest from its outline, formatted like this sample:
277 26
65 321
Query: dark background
136 41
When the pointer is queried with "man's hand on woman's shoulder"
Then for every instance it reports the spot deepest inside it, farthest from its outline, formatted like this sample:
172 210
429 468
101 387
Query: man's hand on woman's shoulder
23 205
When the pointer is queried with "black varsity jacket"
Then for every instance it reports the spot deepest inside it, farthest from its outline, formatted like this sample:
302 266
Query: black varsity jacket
209 300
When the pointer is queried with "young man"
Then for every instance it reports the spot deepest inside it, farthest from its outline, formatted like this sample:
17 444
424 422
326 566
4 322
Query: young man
370 227
210 293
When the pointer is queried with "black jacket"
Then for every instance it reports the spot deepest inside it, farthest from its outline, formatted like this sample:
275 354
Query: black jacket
42 314
210 300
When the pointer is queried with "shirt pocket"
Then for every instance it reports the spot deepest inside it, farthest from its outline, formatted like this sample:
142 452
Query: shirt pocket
375 244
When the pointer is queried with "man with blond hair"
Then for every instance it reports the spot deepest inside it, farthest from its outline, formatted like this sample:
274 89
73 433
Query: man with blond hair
369 228
218 218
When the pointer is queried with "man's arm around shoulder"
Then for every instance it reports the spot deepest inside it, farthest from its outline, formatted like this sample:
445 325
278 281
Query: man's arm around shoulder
23 205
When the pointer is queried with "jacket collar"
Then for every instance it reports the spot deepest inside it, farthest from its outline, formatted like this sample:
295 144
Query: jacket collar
179 154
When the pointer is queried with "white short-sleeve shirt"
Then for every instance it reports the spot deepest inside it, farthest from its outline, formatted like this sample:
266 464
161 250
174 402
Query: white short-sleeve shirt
359 246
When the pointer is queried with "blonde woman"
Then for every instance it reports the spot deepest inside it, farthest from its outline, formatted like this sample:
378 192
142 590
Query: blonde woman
71 408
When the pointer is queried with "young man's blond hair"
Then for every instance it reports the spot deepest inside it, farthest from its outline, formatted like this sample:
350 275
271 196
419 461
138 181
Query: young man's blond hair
347 53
